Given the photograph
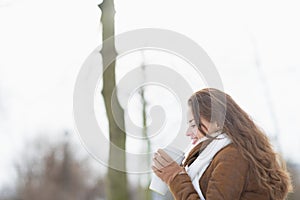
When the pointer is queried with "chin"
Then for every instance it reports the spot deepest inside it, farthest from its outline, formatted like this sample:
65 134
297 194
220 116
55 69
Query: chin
194 141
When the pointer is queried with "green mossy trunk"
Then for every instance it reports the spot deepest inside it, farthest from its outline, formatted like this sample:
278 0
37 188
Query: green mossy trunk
116 182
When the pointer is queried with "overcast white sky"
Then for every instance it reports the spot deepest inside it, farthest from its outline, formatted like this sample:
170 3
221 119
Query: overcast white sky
44 43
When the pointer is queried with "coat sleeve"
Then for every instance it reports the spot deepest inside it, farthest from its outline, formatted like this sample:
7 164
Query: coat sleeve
226 182
182 188
228 176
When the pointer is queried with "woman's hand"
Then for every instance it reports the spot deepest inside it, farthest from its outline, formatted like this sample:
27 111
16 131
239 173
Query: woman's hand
165 167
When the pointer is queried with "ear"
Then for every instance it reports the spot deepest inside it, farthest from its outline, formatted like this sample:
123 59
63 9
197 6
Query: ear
216 125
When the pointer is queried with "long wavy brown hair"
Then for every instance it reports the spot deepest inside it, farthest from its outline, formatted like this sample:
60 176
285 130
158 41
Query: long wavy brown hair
216 106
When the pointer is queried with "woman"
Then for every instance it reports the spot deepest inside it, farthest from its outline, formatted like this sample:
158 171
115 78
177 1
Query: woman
232 158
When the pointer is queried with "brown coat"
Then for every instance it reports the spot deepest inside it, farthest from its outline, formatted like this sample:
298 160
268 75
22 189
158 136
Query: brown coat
227 177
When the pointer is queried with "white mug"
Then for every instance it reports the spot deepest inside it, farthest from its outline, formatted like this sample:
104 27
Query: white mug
157 184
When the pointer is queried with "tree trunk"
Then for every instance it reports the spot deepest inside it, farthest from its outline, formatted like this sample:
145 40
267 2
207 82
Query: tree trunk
116 181
147 192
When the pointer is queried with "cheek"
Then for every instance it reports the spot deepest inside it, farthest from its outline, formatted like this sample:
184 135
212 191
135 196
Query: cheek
198 133
195 131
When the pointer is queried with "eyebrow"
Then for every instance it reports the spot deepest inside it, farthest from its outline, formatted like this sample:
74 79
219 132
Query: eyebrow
191 120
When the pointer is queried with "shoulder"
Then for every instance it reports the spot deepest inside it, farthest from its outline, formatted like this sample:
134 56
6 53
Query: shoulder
230 155
226 176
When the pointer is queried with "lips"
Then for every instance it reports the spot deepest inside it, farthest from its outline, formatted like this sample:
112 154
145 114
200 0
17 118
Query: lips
194 140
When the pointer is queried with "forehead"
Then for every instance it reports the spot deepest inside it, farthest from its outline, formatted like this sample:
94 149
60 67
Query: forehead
190 116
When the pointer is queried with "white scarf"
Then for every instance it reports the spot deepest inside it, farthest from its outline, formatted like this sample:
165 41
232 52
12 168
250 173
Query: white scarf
198 167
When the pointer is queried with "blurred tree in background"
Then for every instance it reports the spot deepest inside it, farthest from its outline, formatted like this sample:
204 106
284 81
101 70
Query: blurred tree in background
47 171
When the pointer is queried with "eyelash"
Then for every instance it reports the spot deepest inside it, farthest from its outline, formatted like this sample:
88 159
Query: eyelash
193 126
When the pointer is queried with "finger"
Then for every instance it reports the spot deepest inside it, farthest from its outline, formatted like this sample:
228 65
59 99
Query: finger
157 164
155 155
162 161
156 171
165 155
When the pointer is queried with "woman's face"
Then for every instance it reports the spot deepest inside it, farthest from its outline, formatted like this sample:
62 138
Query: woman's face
193 131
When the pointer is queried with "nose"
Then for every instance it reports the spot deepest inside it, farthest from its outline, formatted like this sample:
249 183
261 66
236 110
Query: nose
188 132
